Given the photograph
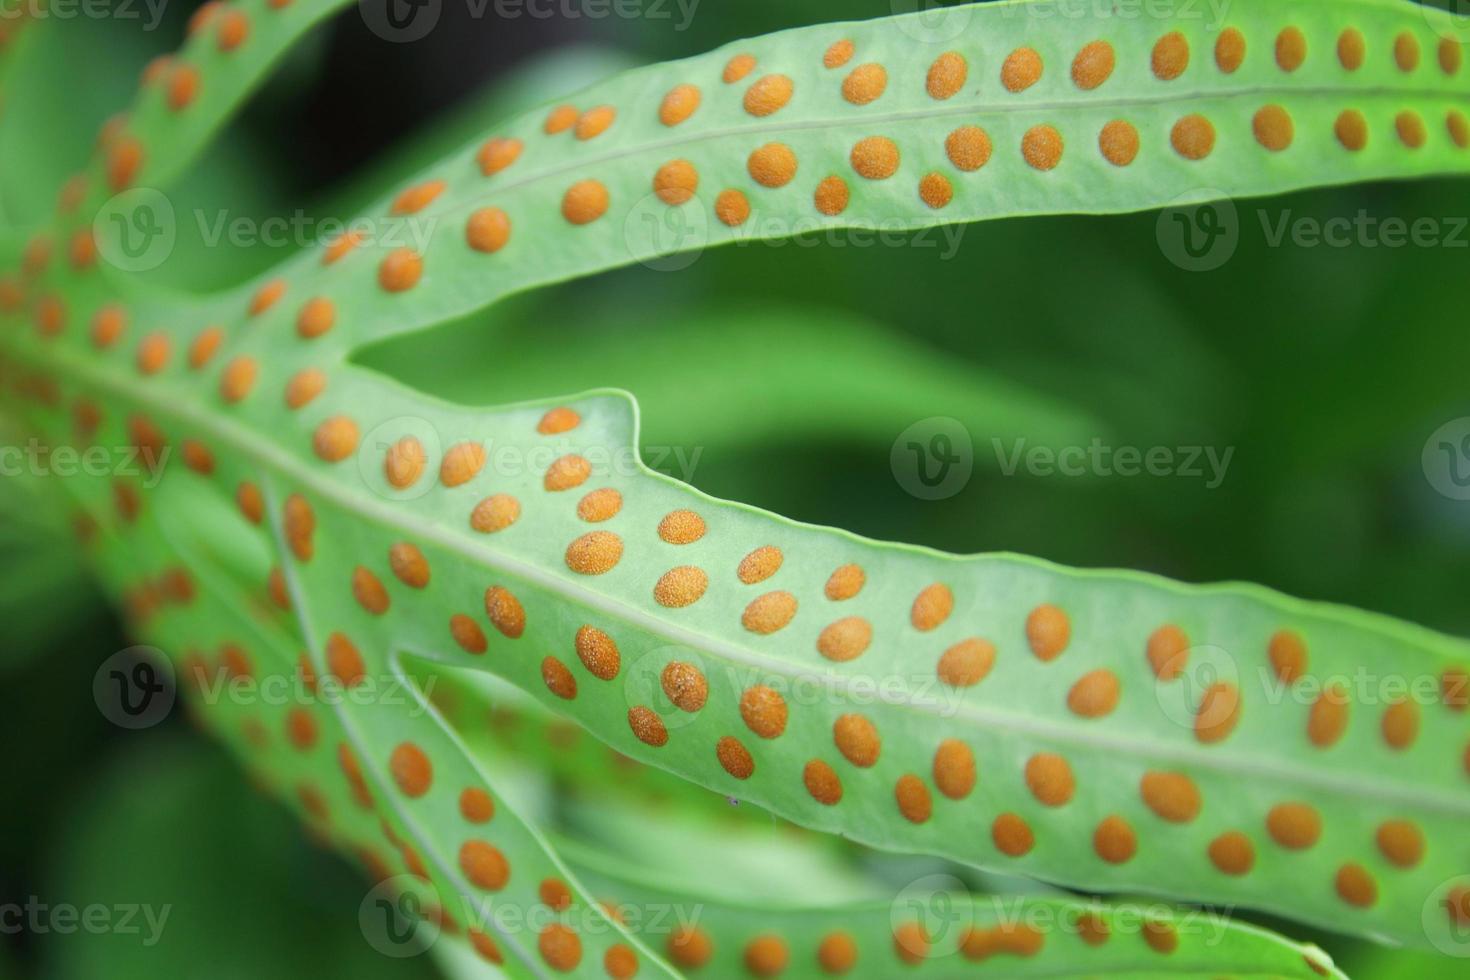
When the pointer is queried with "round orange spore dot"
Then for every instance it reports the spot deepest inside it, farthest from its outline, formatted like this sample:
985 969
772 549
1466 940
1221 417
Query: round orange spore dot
1401 842
50 316
483 944
681 586
1355 885
197 457
1114 840
968 148
238 378
400 270
409 565
865 83
301 729
911 943
954 769
690 946
108 325
124 158
1406 51
844 583
759 564
300 522
484 865
913 798
772 165
566 472
1095 695
497 153
82 250
317 316
584 202
734 757
1041 147
822 782
461 463
1232 853
487 230
1193 137
1050 779
732 207
1118 142
1410 129
1287 652
414 199
1351 49
368 590
563 117
1012 835
1021 69
153 352
558 678
411 769
684 685
340 246
1093 65
1328 717
675 182
874 157
1351 129
845 639
467 634
737 68
935 190
495 513
768 613
505 611
838 54
1171 795
1273 128
558 420
183 86
1400 724
947 75
594 553
1218 712
1048 631
598 653
250 501
681 527
967 662
1295 826
1449 56
764 711
335 439
555 893
594 122
1291 49
600 505
1229 50
1170 56
857 739
1459 128
681 102
304 386
647 726
1457 904
768 94
837 952
266 296
831 196
931 607
1162 937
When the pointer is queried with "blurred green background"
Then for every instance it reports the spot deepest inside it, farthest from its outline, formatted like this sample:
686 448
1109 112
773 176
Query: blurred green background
1325 370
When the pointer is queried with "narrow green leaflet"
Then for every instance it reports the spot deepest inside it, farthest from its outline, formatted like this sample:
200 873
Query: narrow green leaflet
1104 730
